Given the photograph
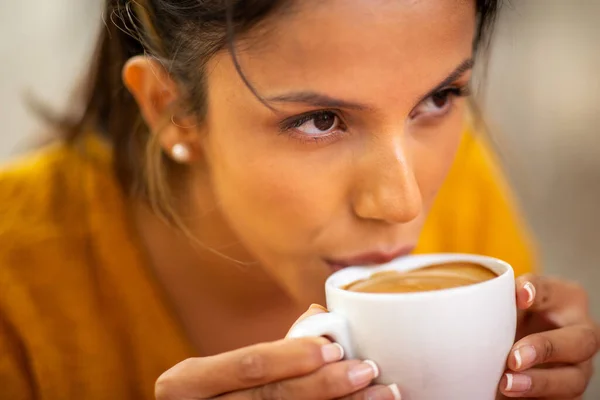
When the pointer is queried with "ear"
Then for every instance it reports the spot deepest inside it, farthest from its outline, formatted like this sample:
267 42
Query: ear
157 96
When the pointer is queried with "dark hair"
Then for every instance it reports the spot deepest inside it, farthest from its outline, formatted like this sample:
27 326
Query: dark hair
183 35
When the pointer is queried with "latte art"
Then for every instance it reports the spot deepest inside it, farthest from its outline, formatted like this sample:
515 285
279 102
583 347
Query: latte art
435 277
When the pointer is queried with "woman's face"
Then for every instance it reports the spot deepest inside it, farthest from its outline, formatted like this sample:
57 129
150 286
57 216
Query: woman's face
366 122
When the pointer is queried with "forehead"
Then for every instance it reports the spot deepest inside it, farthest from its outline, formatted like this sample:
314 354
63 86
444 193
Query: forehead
341 46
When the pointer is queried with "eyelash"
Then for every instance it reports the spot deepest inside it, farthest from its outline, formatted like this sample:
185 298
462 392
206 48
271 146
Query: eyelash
289 125
457 91
452 93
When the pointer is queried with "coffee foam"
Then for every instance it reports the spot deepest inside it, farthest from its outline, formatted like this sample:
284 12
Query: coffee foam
435 277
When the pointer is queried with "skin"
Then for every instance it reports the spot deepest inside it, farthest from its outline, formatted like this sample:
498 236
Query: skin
561 339
286 200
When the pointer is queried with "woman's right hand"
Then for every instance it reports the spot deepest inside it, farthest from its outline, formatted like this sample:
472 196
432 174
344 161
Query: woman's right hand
294 369
308 368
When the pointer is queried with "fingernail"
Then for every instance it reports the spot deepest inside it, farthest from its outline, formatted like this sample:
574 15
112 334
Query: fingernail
332 352
317 307
395 391
524 357
363 373
517 383
390 392
530 292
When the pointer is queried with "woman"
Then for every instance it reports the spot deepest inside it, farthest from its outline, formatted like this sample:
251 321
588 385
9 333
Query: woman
259 146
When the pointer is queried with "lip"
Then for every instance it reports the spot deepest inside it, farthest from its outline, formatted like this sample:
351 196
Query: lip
370 258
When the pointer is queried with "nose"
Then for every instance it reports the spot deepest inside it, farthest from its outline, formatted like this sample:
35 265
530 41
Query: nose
386 188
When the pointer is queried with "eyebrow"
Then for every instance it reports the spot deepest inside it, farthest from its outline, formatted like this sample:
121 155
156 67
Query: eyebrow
317 100
459 71
320 100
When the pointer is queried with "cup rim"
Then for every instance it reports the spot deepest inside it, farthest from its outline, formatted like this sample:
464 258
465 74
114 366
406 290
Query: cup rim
419 261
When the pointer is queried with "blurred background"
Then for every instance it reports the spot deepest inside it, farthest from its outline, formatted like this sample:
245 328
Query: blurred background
541 99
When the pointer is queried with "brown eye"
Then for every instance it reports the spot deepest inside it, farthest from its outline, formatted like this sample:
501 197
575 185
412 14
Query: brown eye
321 126
324 121
440 99
317 124
438 104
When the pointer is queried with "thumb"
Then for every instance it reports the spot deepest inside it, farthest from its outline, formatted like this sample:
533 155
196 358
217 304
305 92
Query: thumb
314 309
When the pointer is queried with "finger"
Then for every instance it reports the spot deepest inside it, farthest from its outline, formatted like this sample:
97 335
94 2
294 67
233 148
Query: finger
565 382
571 345
526 292
314 309
378 392
245 368
547 291
564 302
330 382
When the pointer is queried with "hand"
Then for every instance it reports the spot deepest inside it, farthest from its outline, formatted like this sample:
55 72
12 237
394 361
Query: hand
553 358
292 369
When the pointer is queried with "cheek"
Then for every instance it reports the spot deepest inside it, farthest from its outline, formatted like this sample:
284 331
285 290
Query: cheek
276 200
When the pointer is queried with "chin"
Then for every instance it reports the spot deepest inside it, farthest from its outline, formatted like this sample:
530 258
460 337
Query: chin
308 285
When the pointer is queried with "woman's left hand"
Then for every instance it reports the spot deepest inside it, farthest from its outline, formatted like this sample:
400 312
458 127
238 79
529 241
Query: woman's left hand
557 340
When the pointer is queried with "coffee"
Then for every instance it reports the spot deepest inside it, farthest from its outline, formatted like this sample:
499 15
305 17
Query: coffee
434 277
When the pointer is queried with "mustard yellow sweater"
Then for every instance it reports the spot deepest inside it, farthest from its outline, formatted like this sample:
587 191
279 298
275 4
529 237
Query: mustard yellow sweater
81 316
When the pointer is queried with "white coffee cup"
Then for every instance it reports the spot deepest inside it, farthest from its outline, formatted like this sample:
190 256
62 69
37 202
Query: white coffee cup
450 344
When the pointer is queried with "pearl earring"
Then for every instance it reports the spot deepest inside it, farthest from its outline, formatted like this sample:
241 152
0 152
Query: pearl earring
180 153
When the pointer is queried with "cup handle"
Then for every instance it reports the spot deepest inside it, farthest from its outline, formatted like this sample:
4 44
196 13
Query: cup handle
326 324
